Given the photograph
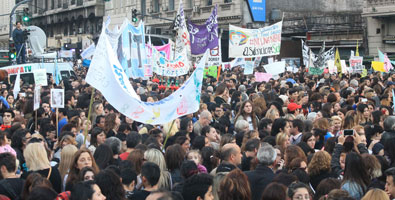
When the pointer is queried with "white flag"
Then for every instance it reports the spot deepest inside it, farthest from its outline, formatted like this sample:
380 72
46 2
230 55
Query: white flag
17 84
88 52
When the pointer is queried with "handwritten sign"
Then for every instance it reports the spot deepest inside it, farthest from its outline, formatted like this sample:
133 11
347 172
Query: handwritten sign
260 76
40 77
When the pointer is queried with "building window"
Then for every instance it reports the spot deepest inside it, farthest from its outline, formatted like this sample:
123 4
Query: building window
156 6
52 4
59 4
171 4
228 1
209 2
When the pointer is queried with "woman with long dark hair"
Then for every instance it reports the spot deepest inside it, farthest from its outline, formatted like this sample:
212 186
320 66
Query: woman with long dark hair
356 177
246 112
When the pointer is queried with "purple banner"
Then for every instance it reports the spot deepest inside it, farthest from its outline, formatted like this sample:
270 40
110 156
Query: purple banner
205 36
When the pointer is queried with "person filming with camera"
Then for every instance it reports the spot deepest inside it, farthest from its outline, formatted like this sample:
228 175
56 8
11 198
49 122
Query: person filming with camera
18 36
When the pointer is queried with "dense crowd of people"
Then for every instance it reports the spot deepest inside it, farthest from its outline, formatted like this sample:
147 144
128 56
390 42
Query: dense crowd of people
299 137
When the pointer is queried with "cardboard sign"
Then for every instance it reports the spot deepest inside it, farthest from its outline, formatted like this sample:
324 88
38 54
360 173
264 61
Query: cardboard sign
40 77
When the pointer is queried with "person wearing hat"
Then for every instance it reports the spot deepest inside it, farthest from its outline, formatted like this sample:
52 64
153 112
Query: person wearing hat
294 109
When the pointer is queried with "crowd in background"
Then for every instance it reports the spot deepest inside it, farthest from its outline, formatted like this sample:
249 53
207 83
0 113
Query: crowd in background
299 137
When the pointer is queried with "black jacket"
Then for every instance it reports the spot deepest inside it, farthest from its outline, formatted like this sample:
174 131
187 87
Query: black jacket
259 179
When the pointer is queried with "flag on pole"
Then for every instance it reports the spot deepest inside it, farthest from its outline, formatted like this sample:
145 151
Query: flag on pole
357 51
17 84
378 66
387 63
337 61
381 55
393 99
57 75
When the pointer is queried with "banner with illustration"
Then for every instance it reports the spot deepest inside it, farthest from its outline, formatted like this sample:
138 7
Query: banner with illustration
107 76
132 51
249 43
165 67
204 36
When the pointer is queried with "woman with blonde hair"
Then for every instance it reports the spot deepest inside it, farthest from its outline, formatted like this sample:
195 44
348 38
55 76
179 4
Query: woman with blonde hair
376 194
282 140
336 125
98 109
37 161
272 114
66 158
319 168
155 156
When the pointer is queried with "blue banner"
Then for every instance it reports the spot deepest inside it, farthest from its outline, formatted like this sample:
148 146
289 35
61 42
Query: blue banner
257 10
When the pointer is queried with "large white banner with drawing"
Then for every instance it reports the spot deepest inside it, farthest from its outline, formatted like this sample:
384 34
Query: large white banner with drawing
107 76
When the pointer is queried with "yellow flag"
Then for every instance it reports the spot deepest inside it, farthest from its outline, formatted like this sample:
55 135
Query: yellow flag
337 61
378 66
357 52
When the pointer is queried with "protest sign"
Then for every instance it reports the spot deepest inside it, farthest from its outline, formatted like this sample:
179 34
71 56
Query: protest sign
364 73
57 98
332 69
344 66
147 70
275 68
356 64
260 76
238 62
226 66
257 62
215 57
248 43
107 76
316 71
291 62
40 77
203 37
37 92
66 54
249 67
173 68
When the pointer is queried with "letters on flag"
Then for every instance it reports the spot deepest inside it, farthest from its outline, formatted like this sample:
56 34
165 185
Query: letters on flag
203 37
107 76
165 67
249 43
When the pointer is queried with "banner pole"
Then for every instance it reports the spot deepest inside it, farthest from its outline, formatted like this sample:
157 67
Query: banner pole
35 126
168 133
57 122
89 115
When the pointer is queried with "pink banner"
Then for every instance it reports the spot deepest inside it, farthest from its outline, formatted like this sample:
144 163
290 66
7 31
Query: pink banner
164 49
260 76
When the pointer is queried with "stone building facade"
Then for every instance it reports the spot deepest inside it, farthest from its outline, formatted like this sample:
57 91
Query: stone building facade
68 21
380 16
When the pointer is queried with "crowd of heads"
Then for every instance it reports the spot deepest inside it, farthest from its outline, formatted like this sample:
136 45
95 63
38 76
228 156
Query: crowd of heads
297 137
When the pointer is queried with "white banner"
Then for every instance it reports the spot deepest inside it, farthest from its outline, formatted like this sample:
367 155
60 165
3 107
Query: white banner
275 68
107 76
249 43
173 68
37 93
215 58
40 77
88 52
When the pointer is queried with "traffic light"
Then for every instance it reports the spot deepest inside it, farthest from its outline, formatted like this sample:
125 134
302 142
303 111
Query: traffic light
134 15
12 50
25 16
